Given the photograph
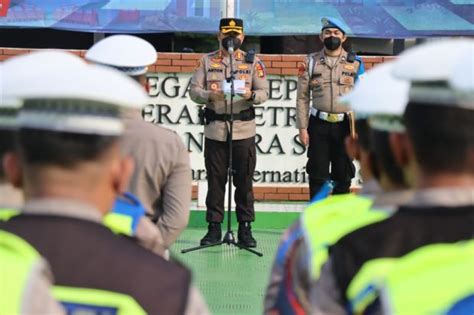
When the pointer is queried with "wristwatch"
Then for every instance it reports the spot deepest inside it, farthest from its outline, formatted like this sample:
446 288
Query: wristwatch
253 96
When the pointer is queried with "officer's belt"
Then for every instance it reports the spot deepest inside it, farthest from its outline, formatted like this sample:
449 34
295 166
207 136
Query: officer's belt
329 117
245 115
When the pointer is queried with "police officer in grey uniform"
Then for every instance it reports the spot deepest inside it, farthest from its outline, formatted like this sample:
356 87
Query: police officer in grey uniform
162 175
322 121
207 88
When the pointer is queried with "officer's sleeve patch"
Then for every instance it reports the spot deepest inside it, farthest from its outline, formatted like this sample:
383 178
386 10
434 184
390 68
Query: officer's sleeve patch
361 71
260 69
301 69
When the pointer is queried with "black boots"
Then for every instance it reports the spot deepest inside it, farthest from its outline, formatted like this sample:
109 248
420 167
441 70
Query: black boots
214 234
245 235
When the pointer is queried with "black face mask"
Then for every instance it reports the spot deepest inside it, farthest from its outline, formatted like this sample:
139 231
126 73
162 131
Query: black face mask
231 41
332 43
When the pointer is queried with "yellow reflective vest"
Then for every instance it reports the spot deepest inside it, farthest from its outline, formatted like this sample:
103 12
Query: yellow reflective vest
327 221
17 261
17 258
434 279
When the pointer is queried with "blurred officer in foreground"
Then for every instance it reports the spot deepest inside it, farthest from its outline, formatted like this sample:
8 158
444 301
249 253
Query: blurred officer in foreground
11 197
322 121
438 152
127 218
26 279
207 87
71 169
162 175
424 269
304 250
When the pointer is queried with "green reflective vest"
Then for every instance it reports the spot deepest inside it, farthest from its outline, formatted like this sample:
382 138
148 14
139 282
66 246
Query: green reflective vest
327 221
364 287
119 223
434 279
116 222
17 260
6 213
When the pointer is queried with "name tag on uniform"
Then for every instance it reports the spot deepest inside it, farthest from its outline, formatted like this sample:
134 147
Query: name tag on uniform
346 80
75 308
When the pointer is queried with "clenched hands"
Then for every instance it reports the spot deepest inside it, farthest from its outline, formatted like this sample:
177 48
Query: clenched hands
304 137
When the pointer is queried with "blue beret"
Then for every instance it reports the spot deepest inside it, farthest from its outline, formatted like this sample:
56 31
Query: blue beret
329 22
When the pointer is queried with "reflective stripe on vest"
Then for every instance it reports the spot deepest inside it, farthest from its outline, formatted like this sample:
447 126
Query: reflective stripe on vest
364 287
327 221
90 301
119 223
126 213
17 260
434 279
6 214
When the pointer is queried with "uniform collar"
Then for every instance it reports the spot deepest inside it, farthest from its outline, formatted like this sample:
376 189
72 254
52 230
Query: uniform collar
392 199
443 197
219 57
370 187
239 55
341 59
64 208
10 197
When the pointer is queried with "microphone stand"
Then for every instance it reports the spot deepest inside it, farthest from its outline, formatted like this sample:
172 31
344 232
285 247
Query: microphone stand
229 237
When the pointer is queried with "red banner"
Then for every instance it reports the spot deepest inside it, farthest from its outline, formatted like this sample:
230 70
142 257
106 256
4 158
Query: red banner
4 5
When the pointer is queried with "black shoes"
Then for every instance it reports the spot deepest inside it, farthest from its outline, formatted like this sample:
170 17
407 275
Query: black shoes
245 235
214 234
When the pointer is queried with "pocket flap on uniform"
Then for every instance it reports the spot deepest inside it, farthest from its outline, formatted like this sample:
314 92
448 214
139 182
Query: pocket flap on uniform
315 81
346 80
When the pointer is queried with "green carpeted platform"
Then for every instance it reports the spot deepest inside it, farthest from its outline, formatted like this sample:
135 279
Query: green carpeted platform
232 281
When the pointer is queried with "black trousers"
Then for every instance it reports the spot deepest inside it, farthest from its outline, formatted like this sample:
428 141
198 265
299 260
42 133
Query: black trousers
244 160
327 150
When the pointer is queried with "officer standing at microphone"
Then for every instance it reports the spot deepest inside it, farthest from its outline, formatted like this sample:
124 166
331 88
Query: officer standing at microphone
207 87
324 123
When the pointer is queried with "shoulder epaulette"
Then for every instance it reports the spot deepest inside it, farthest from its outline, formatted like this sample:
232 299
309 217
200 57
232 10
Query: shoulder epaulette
213 54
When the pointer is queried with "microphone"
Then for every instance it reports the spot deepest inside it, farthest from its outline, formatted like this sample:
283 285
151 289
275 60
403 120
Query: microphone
228 43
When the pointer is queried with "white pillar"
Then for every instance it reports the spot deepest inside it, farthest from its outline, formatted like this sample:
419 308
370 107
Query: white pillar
230 8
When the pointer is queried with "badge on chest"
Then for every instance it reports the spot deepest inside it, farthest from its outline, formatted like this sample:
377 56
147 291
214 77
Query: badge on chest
214 85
